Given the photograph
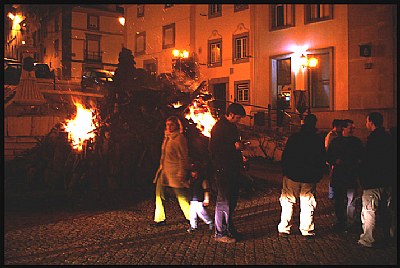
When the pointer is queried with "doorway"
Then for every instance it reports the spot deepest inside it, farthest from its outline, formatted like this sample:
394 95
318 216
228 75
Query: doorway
219 94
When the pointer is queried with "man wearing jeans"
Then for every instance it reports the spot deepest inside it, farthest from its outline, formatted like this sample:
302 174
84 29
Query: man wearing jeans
344 155
227 161
303 163
378 181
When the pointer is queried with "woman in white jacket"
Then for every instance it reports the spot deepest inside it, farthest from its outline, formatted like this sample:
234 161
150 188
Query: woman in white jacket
173 170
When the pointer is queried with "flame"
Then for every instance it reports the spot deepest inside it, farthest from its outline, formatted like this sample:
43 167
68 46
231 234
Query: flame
200 113
177 104
81 127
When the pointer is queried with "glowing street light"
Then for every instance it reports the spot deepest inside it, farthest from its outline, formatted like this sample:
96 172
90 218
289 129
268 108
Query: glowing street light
121 20
184 54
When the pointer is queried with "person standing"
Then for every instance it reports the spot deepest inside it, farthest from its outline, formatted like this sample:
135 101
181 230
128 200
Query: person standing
200 197
336 131
378 181
344 155
227 163
303 163
172 171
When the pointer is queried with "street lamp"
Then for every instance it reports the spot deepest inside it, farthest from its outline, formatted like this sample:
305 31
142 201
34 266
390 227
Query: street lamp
308 63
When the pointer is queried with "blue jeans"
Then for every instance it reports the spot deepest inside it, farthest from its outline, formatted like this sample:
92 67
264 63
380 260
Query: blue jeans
227 197
345 208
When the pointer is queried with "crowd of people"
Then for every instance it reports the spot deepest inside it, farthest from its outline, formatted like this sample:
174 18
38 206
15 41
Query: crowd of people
355 170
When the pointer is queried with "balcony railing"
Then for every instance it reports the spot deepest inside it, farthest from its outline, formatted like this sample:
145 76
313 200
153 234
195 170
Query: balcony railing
93 56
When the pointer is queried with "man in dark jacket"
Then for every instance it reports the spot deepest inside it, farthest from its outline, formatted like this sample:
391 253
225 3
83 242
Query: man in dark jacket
344 155
226 157
303 162
378 181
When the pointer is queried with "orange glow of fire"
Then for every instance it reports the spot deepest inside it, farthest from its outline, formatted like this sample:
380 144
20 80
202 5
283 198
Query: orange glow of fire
177 104
199 112
81 127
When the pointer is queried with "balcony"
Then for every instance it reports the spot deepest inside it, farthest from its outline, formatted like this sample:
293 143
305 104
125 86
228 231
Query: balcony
93 56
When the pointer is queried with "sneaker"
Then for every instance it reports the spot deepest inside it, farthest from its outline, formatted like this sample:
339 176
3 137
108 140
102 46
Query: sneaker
158 224
225 239
191 230
364 244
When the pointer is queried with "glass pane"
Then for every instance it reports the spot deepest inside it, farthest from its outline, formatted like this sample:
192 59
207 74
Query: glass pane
320 82
169 36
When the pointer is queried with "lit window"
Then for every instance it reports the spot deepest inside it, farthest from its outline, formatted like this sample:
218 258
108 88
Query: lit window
282 16
168 36
318 12
140 47
215 53
140 11
214 10
242 89
240 43
93 22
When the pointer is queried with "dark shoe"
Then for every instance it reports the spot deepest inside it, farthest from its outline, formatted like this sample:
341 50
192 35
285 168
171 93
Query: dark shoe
308 237
225 239
158 224
283 234
191 230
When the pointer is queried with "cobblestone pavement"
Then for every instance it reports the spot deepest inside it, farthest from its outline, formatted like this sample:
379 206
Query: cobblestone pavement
123 235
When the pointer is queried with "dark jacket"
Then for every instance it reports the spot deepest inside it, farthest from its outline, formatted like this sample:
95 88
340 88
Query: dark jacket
344 154
378 167
223 153
304 156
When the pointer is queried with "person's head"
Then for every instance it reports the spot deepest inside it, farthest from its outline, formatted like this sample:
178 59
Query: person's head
348 127
173 124
310 121
235 112
374 120
337 125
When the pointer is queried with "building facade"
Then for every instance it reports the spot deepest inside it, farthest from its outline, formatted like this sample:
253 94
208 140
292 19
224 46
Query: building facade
260 54
69 38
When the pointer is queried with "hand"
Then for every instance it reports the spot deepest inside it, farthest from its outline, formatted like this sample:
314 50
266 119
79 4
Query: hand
206 202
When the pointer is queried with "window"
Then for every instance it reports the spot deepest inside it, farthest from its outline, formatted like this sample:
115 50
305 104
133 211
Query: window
168 5
282 16
214 10
240 7
242 91
140 47
93 22
92 52
240 48
120 9
318 12
168 36
321 79
215 53
140 11
150 66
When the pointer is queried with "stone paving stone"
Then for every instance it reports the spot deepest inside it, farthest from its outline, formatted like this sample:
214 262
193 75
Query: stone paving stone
123 235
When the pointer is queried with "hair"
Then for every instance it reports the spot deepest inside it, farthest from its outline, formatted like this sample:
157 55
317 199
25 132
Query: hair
347 122
336 123
376 118
236 109
310 120
177 121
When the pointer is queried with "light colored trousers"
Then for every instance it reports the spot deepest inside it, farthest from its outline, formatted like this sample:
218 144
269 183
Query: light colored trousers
377 201
291 191
197 210
180 193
